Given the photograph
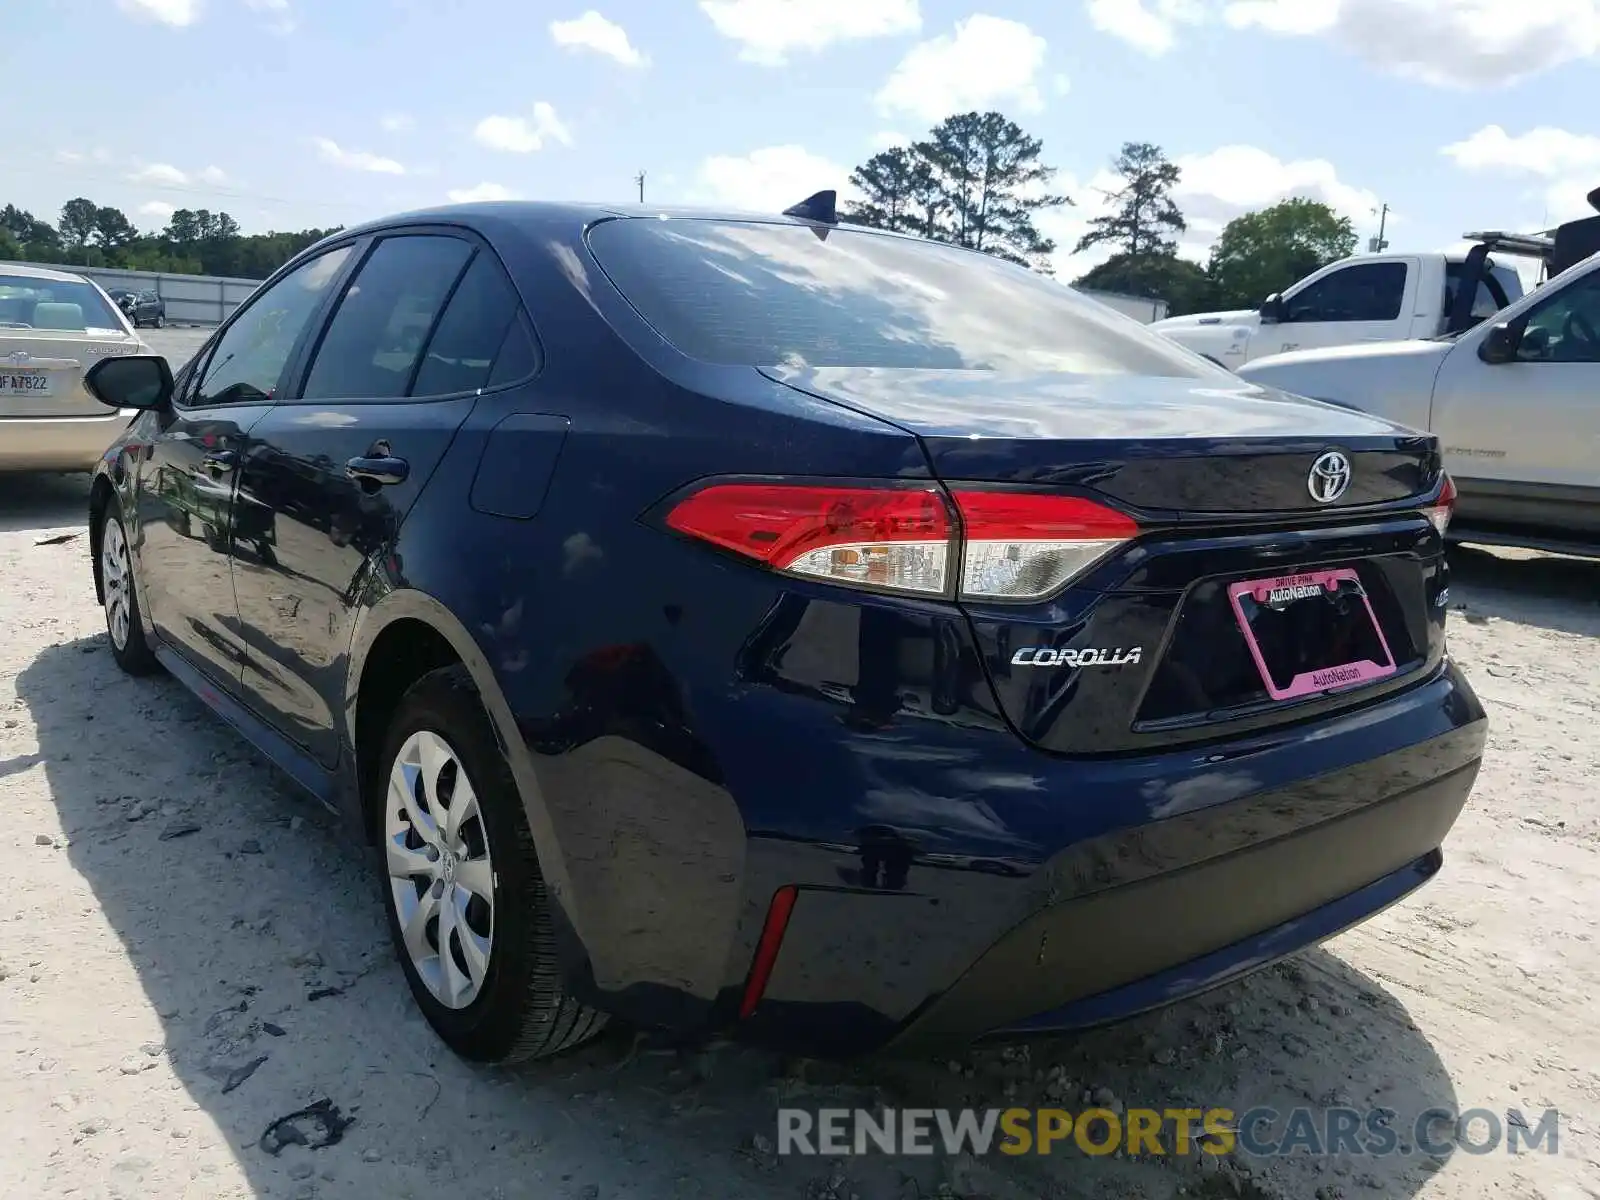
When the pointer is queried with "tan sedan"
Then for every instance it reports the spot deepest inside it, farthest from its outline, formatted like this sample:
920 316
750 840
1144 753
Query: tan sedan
55 325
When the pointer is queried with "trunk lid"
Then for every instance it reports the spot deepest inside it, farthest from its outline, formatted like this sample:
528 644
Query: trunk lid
41 370
1149 648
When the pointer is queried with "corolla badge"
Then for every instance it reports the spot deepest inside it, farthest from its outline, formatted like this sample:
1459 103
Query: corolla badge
1330 476
1045 656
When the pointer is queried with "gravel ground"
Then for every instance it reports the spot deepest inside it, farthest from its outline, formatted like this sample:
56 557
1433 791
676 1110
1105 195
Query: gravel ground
157 1010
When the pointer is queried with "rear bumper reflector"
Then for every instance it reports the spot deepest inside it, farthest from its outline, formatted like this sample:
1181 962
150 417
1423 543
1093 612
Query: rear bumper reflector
767 948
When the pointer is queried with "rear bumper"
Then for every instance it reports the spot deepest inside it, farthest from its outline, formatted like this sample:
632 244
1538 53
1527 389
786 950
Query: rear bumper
1132 948
57 443
1274 846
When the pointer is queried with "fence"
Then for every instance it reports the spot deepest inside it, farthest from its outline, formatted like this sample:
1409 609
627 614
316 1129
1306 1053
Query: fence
208 299
190 299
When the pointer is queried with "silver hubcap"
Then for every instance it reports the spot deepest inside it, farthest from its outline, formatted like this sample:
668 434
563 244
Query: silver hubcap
116 577
441 880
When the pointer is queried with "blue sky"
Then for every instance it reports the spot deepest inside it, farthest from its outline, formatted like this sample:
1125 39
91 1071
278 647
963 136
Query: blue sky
1459 114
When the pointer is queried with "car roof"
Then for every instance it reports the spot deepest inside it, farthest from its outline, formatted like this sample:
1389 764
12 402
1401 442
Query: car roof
17 270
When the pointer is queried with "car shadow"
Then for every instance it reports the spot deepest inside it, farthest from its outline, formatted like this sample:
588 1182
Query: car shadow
257 933
42 501
1547 590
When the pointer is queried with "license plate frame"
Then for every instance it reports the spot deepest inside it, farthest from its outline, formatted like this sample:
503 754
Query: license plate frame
10 374
1334 677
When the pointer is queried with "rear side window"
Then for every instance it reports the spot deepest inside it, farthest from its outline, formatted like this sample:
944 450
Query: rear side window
1497 288
384 318
462 352
754 294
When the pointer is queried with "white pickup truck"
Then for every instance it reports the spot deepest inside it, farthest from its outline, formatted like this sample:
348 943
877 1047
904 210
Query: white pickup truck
1366 298
1514 401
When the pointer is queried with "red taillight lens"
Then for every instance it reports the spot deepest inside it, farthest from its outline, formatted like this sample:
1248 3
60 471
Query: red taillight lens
1024 545
1440 511
1011 545
886 537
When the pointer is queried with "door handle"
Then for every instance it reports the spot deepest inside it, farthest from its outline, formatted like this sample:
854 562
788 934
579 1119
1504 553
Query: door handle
219 462
378 469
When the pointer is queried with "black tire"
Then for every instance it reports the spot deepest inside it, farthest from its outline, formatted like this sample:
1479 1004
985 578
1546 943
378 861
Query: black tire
521 1011
160 322
133 653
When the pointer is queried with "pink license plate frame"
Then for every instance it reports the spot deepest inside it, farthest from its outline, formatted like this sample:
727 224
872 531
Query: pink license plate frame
1309 683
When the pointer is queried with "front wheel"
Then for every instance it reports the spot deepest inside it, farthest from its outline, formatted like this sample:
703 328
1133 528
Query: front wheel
468 912
123 625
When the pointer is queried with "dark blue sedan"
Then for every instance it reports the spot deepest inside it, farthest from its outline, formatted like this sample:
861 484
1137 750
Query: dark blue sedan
754 624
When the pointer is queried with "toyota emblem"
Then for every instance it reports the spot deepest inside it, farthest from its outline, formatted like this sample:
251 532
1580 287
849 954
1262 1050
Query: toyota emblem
1330 476
17 357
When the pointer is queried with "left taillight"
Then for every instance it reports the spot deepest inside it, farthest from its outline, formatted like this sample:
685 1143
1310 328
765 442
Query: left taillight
1440 511
998 545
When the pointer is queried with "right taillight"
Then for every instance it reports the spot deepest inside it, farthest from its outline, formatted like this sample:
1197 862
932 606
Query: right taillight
1440 510
1006 545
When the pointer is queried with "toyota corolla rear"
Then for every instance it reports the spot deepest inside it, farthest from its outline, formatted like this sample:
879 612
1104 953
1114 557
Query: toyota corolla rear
1079 675
54 326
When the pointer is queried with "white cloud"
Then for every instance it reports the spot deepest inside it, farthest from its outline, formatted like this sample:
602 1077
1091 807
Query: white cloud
215 176
1233 180
397 123
157 210
888 139
177 13
356 160
1567 164
282 15
523 135
769 180
984 63
483 191
768 31
1448 43
162 173
1147 25
591 31
1215 188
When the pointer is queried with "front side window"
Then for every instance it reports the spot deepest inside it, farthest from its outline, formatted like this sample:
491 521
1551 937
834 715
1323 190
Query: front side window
70 306
1566 328
766 294
385 317
1365 292
254 350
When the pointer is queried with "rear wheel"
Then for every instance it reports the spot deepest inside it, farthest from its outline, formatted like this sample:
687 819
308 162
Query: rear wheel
467 906
123 625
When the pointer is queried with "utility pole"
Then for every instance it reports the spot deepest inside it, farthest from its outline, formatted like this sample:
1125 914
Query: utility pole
1378 245
639 179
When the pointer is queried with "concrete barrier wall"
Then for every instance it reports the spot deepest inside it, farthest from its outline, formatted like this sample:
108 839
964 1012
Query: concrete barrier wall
190 299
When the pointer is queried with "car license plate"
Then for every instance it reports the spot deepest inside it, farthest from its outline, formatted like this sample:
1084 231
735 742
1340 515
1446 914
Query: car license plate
17 382
1311 633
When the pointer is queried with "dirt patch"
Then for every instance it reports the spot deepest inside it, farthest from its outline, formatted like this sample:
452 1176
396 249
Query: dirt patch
192 953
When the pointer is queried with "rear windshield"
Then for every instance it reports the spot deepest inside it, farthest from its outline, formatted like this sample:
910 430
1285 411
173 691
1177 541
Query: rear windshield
27 303
752 294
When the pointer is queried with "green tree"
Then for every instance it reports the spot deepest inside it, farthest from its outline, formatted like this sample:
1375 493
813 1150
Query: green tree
113 230
1264 252
1144 213
77 223
976 181
1183 284
989 173
27 230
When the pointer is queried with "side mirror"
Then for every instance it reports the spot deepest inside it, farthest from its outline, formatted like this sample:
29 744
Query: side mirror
142 381
1500 345
1272 310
